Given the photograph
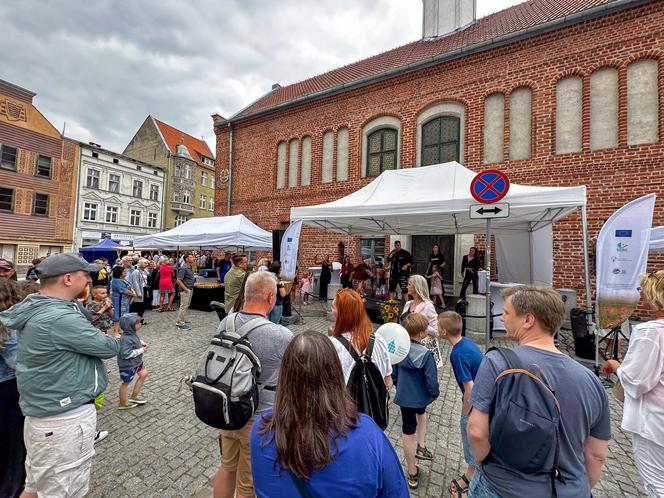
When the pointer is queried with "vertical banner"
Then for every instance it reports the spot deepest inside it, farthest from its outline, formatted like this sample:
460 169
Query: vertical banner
622 255
289 246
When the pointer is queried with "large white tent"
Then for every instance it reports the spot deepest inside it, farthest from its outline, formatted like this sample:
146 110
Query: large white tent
436 200
210 233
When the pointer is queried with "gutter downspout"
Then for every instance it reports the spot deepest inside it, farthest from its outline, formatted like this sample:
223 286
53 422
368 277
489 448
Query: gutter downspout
78 198
230 170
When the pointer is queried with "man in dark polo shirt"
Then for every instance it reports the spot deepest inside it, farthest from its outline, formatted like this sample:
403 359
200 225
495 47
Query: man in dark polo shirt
185 281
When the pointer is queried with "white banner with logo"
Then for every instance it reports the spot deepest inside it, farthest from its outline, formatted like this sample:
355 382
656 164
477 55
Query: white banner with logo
622 255
289 246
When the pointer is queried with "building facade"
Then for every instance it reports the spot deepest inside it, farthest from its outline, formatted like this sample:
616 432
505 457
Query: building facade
38 175
553 93
119 198
189 166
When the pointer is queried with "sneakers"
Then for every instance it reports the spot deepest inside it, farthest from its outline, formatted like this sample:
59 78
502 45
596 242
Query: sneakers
138 400
128 406
183 326
423 453
100 436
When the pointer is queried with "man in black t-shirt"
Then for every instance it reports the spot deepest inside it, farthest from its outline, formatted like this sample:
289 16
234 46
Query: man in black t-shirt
400 264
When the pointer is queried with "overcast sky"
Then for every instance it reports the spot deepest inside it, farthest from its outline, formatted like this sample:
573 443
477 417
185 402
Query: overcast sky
104 65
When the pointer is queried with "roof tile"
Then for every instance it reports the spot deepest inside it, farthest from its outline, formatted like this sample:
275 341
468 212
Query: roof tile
175 137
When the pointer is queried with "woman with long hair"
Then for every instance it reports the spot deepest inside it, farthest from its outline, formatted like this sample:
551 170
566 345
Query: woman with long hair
421 303
642 377
353 323
313 441
470 265
345 273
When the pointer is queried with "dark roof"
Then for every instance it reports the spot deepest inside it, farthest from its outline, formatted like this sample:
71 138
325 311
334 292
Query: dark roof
523 16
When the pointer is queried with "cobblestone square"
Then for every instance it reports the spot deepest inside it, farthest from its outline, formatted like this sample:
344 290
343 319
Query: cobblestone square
162 450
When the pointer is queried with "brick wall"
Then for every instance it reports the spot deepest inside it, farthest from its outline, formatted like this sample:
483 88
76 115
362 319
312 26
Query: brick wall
613 176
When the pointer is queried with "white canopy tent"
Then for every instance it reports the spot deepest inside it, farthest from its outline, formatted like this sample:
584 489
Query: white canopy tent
210 233
657 239
436 200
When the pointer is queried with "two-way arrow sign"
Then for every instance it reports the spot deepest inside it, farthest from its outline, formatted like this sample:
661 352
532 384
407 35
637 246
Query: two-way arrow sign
484 211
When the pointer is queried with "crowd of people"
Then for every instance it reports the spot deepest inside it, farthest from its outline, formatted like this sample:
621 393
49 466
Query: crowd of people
533 421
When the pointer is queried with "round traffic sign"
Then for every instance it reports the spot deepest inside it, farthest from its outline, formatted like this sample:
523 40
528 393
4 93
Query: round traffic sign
489 186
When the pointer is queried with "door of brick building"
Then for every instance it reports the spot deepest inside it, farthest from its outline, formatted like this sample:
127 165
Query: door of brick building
422 245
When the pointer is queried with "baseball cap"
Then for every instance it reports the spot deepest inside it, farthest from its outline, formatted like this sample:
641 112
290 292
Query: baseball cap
61 263
6 264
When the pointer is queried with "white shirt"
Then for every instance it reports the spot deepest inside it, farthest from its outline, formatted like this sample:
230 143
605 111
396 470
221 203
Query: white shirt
379 356
642 377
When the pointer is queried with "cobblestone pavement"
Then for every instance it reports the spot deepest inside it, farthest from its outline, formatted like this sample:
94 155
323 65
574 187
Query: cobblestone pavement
162 450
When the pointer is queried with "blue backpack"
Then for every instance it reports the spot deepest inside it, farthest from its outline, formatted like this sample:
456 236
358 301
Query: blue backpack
524 422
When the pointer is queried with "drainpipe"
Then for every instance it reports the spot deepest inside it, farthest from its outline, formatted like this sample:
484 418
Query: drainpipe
230 170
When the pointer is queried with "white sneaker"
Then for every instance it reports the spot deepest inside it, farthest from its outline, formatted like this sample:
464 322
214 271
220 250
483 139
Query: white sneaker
100 436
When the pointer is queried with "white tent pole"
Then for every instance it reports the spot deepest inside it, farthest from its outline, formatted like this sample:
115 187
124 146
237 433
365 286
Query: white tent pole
487 264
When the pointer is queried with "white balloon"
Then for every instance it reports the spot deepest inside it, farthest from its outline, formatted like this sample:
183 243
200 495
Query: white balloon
397 339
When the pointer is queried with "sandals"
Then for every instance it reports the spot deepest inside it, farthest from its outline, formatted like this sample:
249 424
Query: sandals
458 487
414 479
423 453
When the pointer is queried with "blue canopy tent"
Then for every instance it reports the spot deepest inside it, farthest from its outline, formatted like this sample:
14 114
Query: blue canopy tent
106 249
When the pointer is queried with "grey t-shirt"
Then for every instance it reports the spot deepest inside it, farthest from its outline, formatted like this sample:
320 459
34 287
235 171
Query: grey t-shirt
268 342
584 408
186 274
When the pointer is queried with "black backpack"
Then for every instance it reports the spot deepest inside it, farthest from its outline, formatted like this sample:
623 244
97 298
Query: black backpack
524 422
366 384
225 385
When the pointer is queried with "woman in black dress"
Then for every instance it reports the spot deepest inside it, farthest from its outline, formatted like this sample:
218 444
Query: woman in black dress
469 267
325 275
435 258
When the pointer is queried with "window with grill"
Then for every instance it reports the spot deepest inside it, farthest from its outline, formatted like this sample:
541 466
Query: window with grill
135 217
92 180
154 192
6 199
89 211
441 140
40 204
114 183
152 220
8 157
381 151
137 190
111 214
43 166
202 202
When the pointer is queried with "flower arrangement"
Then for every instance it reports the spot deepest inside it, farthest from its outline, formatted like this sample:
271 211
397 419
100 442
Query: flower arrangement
390 311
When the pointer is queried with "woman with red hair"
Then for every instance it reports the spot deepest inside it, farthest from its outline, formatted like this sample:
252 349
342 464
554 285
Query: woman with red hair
352 322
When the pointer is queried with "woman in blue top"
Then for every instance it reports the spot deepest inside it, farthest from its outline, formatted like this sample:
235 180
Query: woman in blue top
314 442
121 295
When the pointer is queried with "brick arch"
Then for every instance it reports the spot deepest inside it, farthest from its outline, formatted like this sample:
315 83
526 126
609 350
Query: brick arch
453 100
378 116
570 73
488 93
364 135
612 64
523 84
657 55
425 114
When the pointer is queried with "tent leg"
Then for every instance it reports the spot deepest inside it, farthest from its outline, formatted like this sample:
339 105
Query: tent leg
487 264
586 275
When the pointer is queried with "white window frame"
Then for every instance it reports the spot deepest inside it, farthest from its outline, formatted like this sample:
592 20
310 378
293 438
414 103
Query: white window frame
135 216
211 203
152 220
119 182
95 179
186 197
204 178
154 188
180 219
90 211
113 211
133 189
202 202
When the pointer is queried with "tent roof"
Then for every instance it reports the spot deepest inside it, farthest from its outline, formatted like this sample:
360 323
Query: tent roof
435 200
215 232
104 245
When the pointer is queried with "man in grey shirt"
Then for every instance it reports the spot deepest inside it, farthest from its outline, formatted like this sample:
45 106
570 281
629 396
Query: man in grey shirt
268 342
532 315
185 281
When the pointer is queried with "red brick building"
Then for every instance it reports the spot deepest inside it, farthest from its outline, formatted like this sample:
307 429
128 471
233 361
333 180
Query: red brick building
552 92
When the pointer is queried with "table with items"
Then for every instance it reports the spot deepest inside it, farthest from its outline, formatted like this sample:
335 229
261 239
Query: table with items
206 290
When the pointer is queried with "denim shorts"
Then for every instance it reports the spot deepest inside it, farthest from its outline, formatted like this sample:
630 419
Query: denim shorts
127 375
467 454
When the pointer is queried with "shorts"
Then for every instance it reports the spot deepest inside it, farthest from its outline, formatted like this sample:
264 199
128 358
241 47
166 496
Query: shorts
235 458
409 419
467 454
59 453
127 375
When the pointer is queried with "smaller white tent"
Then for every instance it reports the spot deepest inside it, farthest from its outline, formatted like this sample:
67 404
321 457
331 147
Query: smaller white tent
657 239
210 233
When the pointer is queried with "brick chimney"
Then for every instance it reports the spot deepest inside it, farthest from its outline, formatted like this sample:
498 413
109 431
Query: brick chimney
442 17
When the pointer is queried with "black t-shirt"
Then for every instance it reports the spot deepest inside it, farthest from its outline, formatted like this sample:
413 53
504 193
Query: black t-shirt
435 259
398 259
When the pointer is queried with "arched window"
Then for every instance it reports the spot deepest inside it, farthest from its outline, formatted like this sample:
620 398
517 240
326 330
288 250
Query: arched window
381 151
441 140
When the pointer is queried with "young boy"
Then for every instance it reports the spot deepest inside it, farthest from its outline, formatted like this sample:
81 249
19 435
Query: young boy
101 309
465 358
130 361
416 379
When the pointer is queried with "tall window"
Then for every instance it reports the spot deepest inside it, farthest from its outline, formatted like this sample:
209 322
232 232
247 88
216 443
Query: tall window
114 183
89 211
440 140
111 214
154 192
40 204
186 172
211 203
180 219
6 199
202 202
137 190
204 178
381 151
135 218
186 197
8 157
43 166
212 181
92 180
178 171
152 220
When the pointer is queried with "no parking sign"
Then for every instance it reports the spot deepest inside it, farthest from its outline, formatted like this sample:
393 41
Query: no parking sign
489 186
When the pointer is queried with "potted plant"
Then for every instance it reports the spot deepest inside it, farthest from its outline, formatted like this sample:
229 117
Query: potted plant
390 311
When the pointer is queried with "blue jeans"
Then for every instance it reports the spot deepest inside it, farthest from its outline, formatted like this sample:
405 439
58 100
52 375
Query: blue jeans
275 314
467 454
480 487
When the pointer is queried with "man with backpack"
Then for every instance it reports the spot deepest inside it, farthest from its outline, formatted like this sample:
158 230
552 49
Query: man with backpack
539 423
268 342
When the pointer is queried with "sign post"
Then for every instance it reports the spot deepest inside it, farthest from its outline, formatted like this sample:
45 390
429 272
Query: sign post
489 187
